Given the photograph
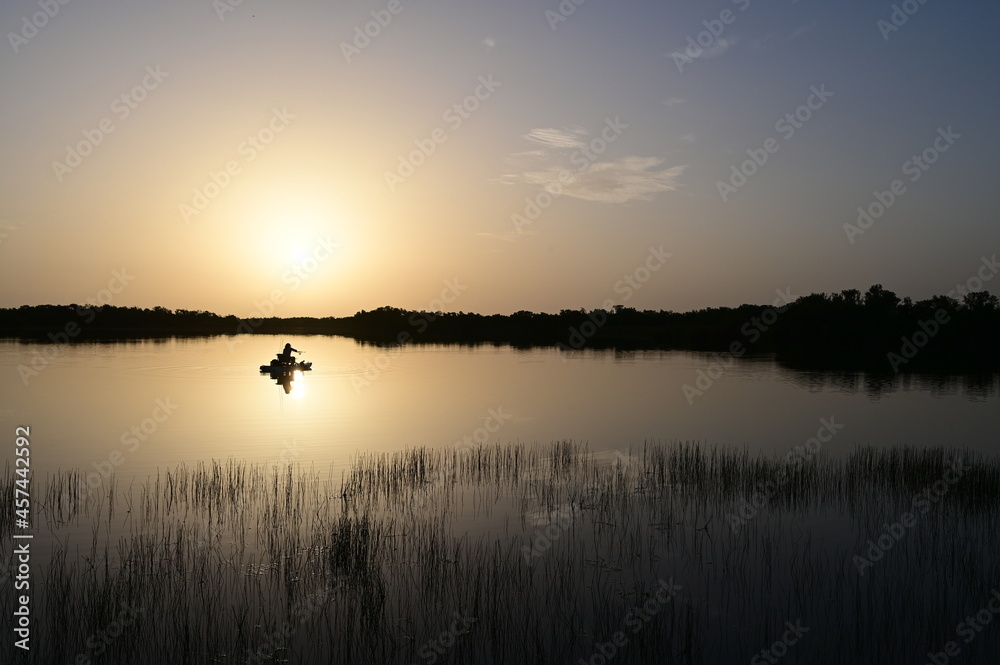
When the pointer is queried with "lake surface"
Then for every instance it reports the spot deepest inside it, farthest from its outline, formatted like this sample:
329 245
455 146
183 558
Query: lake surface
405 544
201 399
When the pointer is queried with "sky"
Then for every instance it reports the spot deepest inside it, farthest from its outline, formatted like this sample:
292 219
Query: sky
314 159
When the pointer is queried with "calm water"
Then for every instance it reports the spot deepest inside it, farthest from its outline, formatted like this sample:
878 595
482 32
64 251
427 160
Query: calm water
84 404
142 408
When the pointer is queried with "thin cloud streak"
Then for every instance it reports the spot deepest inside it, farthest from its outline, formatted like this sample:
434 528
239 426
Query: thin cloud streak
630 178
556 138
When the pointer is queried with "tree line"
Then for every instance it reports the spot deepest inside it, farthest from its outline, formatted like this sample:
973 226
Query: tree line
875 328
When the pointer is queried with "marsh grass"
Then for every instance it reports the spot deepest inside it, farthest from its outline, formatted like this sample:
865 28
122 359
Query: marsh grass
546 550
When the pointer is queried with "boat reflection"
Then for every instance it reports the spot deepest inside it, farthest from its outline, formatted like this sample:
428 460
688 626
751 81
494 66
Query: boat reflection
283 378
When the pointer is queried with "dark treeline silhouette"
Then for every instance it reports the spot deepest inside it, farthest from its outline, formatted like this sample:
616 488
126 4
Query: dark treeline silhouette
62 323
874 329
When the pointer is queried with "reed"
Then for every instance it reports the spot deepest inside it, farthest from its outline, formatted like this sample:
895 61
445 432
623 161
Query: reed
515 553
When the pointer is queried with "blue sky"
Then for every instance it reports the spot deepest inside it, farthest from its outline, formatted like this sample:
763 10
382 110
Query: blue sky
344 123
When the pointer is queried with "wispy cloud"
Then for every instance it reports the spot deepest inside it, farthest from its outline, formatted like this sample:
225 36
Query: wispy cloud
489 43
671 102
720 46
618 181
6 228
769 40
688 138
530 154
564 164
622 180
801 30
557 138
762 43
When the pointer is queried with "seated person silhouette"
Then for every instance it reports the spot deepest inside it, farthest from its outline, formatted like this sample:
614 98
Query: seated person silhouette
286 356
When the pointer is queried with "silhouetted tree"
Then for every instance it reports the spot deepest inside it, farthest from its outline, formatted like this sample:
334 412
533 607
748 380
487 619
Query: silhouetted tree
880 299
980 301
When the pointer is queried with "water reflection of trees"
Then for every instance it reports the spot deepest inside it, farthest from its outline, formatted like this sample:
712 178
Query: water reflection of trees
873 382
843 334
879 384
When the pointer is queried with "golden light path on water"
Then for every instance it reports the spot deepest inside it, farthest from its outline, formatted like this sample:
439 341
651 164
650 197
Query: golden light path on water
151 405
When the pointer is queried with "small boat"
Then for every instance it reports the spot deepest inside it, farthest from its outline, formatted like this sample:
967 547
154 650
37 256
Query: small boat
278 367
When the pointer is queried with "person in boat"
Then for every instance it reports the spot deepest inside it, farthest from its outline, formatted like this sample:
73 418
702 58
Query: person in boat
286 356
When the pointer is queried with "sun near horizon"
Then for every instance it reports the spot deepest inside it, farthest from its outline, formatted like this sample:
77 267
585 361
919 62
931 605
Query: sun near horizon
349 160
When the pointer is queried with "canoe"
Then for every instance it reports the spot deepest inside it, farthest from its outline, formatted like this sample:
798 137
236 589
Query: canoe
278 368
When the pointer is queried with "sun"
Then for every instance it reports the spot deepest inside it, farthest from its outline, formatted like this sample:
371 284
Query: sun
287 230
300 254
289 241
297 232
